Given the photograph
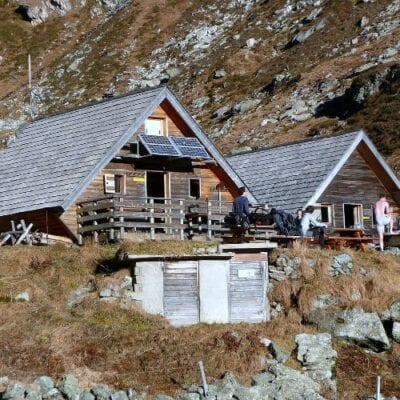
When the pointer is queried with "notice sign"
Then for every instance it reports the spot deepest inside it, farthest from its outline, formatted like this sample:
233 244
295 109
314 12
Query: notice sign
246 273
138 179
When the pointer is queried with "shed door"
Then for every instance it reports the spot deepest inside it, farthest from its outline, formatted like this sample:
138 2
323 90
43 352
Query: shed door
181 300
247 291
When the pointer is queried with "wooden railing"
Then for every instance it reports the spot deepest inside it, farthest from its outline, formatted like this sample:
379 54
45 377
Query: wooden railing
116 214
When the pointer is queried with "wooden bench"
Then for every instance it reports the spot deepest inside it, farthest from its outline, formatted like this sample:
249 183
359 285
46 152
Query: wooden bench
289 240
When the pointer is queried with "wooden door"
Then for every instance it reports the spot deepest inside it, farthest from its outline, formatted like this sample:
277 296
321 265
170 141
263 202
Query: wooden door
247 291
181 299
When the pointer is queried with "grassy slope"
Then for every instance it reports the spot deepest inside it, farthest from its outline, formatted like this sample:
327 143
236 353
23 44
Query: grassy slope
104 342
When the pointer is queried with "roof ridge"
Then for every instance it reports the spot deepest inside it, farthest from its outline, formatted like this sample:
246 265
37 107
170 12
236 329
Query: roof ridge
313 139
98 102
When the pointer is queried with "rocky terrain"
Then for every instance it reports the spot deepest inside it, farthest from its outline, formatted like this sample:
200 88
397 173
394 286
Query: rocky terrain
253 72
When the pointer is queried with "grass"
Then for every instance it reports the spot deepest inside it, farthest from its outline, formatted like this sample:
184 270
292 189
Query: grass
118 344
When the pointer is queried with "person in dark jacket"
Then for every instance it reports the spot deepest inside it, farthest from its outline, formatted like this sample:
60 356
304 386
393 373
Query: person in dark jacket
240 209
278 220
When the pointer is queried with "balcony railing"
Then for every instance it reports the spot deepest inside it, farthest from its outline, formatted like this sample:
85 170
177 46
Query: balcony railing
118 214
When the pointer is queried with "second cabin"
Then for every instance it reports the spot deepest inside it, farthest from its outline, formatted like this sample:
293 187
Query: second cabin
136 162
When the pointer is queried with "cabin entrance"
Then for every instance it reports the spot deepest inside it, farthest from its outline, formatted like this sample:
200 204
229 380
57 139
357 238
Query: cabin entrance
352 215
155 185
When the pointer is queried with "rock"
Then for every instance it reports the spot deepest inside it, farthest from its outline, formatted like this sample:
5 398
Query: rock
86 394
173 72
219 73
396 331
45 383
15 391
53 394
119 395
317 356
355 326
251 43
221 112
302 36
393 313
102 392
69 386
163 397
33 14
200 102
77 296
106 293
283 383
313 15
363 22
324 301
24 296
245 105
33 392
341 264
277 353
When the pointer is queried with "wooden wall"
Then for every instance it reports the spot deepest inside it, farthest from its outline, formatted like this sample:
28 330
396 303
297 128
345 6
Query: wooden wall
210 177
50 223
355 183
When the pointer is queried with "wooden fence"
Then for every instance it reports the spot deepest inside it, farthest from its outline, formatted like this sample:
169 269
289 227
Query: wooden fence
118 214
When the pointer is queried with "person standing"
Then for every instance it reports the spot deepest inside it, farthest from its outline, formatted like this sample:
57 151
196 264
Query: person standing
383 218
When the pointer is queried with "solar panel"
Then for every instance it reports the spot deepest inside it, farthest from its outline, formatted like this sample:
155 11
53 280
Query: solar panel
190 147
159 145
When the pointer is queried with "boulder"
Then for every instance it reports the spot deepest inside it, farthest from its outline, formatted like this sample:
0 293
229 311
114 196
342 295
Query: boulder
102 392
77 296
324 301
283 383
45 384
86 394
396 331
341 264
33 392
15 391
392 313
355 326
69 386
317 356
302 36
219 73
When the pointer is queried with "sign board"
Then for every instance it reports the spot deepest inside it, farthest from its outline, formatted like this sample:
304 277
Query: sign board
246 273
138 179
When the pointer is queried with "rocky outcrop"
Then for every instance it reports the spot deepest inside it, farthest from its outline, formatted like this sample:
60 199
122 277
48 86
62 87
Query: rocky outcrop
317 356
355 326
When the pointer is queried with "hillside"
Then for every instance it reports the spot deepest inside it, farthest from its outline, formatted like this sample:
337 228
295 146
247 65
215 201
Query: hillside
112 342
253 72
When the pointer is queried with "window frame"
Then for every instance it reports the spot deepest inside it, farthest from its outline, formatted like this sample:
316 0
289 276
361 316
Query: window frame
161 121
111 188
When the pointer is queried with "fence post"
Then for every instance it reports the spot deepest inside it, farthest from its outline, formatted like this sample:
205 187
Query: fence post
152 229
95 233
182 220
121 218
209 221
111 220
203 378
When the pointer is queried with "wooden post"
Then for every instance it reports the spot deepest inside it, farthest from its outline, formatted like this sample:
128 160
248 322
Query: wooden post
209 221
80 237
95 233
121 218
181 220
111 220
152 229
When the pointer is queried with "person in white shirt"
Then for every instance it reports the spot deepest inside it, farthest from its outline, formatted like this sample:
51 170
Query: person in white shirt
311 227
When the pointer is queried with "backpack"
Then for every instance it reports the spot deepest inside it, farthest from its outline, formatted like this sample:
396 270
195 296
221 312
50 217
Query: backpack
285 223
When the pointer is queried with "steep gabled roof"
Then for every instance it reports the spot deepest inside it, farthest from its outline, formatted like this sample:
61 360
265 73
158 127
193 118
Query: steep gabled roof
294 175
53 159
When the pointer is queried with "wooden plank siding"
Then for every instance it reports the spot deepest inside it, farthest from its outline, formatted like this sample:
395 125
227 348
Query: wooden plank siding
356 183
136 183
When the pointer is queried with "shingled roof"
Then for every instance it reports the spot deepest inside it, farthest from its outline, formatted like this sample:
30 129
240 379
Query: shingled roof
294 175
53 159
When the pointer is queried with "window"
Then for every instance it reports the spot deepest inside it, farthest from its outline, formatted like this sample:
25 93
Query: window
114 183
326 213
194 188
154 126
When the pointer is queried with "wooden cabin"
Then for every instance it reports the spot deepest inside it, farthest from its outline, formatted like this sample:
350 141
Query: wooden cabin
343 175
135 162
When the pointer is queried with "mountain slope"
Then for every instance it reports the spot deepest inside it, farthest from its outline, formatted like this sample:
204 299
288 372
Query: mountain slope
252 72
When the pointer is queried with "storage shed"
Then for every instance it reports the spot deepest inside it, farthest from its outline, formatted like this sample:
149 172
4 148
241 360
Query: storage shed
220 288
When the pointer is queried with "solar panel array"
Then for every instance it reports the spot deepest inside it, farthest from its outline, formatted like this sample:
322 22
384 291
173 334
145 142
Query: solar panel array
159 145
174 146
190 147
